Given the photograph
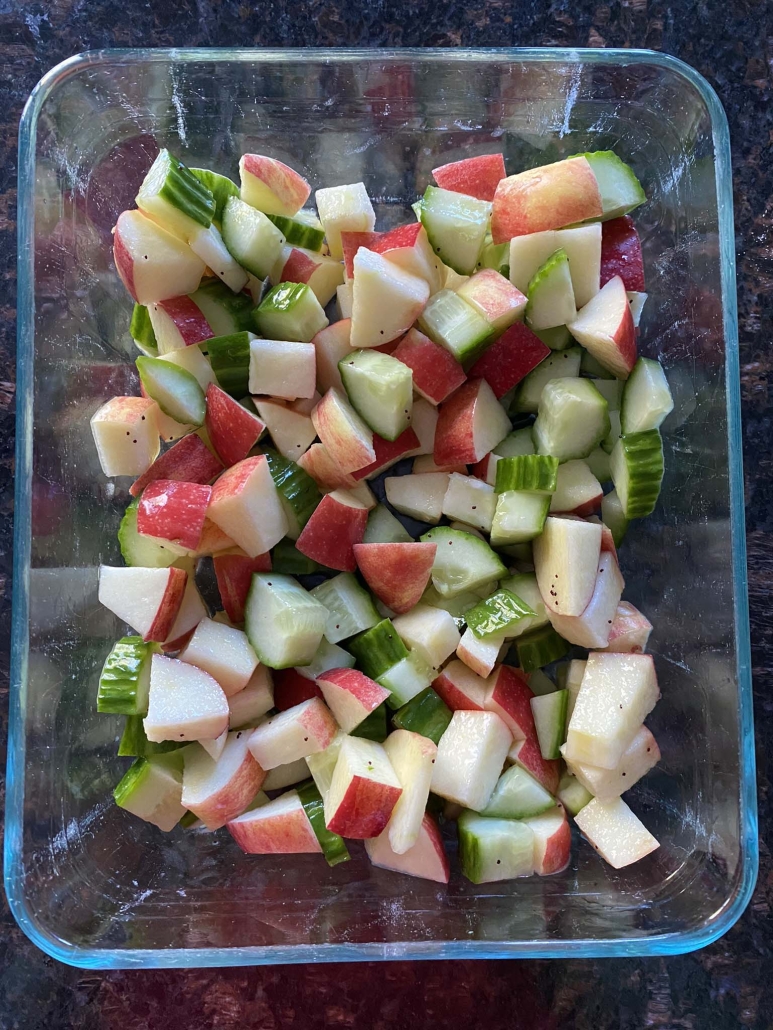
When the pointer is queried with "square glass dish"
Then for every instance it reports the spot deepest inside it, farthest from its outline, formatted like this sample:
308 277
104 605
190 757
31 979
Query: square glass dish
95 887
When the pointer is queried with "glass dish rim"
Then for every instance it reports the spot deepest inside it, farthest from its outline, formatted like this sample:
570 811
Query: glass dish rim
95 958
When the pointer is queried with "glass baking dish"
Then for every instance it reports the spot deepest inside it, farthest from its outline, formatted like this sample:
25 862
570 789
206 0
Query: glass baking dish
95 887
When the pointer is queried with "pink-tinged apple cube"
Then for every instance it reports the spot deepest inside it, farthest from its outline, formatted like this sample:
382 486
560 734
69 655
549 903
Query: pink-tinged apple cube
350 695
282 369
331 345
252 703
486 468
291 431
246 506
397 573
219 791
321 273
621 253
494 297
461 688
345 436
343 209
549 197
527 754
426 463
481 654
470 757
591 629
178 323
336 525
291 689
234 576
363 791
174 511
475 176
351 241
212 541
271 186
147 599
577 491
388 452
319 464
409 248
509 696
222 651
233 429
279 828
125 430
386 301
420 497
630 630
427 858
189 461
363 493
412 756
641 755
153 264
510 359
470 424
189 614
615 832
566 562
305 405
184 703
552 841
297 733
605 328
436 373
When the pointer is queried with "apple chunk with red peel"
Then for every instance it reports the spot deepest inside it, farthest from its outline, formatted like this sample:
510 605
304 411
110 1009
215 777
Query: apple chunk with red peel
233 429
480 654
436 373
591 628
630 630
420 496
605 329
494 297
351 241
577 491
175 511
253 701
412 757
125 431
408 247
331 344
641 755
189 460
279 828
321 273
246 506
397 573
147 599
475 176
351 696
347 439
386 301
510 359
510 698
319 464
272 186
153 264
427 858
566 561
282 368
297 733
527 754
178 323
291 431
234 576
549 197
363 791
552 841
430 633
621 253
336 525
388 452
470 757
461 688
471 423
222 651
615 832
184 703
291 689
218 791
189 614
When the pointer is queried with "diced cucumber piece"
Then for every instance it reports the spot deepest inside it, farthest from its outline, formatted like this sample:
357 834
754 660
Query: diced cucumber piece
135 744
572 421
298 492
557 337
536 473
176 391
456 227
562 365
327 656
646 398
333 847
462 562
613 516
406 679
152 789
620 190
496 256
287 559
144 551
227 312
519 517
141 330
125 679
550 294
599 464
517 795
497 613
540 684
524 585
253 240
305 230
283 622
549 711
612 391
637 472
590 367
373 726
350 607
220 186
290 311
452 323
572 795
426 713
614 434
540 647
518 442
380 389
384 528
172 196
377 649
229 357
494 849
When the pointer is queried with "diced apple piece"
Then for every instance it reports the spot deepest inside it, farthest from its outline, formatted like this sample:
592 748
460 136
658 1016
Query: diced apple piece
470 757
344 301
582 246
388 452
218 791
363 791
475 176
363 493
151 789
431 632
279 828
461 688
408 247
336 525
292 688
292 433
271 186
412 757
147 599
427 858
552 841
494 297
232 429
347 439
185 703
350 695
234 576
225 653
351 242
592 628
177 324
621 253
189 614
436 373
549 197
286 775
615 832
296 733
386 300
577 490
630 630
480 654
174 511
566 561
189 460
153 264
510 359
344 208
246 506
470 424
421 497
321 273
319 464
426 463
527 754
424 421
331 345
605 328
253 702
470 501
125 431
397 573
214 747
282 369
510 698
641 755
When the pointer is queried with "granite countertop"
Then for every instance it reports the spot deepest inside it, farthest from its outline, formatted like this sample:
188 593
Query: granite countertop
726 985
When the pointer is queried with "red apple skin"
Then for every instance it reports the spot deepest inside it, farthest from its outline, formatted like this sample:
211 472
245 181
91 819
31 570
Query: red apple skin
456 699
545 771
365 809
290 833
621 253
346 449
233 798
319 464
299 267
436 373
620 355
124 262
474 176
397 573
169 607
291 689
557 851
388 452
291 188
189 460
369 693
233 430
510 359
174 511
351 242
509 697
234 577
331 533
427 859
480 469
589 507
188 319
454 437
549 197
213 541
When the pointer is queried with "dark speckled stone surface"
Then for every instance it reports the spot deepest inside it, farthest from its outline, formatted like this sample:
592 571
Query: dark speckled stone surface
726 985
